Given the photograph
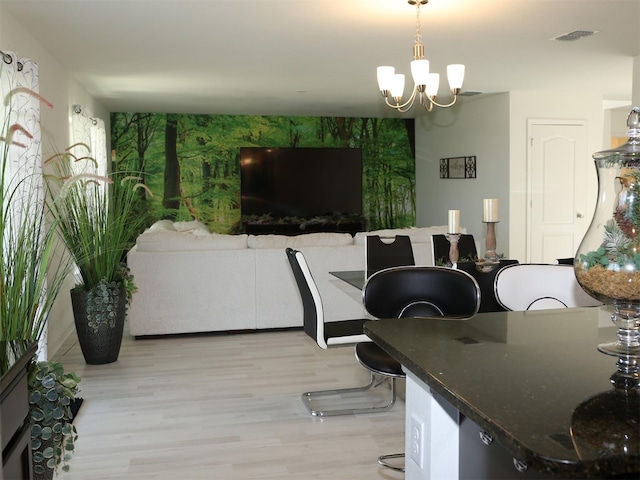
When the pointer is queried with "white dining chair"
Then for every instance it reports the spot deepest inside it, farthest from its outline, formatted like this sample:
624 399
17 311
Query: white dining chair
527 286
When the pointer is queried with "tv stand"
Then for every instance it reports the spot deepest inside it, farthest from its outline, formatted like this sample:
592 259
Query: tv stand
299 228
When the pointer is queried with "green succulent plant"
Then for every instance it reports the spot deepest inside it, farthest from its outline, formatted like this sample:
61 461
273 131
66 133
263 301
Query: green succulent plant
102 302
53 436
615 249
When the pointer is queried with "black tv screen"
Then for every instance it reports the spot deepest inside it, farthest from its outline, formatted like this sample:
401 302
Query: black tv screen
300 182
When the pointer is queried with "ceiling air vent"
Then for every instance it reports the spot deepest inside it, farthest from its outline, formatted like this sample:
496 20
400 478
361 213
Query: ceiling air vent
469 93
575 35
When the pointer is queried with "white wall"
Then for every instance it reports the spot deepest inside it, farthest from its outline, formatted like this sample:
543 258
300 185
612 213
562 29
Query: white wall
635 95
63 91
552 106
478 127
494 128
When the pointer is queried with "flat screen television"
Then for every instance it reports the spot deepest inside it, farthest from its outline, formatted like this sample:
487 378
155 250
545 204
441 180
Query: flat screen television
300 182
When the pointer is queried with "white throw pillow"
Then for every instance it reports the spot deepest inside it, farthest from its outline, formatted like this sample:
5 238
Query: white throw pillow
162 226
190 226
320 239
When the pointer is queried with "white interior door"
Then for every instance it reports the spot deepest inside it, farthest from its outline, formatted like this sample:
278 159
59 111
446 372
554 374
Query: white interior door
557 191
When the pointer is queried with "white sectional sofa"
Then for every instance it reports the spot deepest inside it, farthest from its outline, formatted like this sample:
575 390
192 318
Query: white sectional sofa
190 280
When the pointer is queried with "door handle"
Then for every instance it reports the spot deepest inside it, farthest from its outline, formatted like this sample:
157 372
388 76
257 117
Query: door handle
579 215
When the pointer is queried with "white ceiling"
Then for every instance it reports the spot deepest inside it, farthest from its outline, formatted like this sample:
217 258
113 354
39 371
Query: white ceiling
318 57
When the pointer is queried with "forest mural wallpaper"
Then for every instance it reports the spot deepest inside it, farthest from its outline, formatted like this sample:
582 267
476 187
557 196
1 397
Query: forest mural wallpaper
191 163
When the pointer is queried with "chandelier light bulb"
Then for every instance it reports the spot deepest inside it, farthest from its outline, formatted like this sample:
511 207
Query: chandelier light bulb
420 71
433 84
385 79
455 74
397 87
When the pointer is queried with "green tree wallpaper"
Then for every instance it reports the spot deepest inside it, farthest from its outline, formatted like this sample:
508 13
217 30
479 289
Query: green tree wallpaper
191 163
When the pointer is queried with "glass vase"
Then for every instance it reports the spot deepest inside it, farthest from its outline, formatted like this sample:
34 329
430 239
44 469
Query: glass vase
607 263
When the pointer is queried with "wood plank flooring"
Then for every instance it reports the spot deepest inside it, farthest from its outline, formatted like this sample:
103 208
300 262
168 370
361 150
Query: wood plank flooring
224 406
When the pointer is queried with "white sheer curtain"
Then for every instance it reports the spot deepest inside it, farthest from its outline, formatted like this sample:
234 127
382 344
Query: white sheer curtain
21 173
24 159
90 132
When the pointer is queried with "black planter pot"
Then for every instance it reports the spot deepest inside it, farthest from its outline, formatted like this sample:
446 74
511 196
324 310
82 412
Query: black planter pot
101 346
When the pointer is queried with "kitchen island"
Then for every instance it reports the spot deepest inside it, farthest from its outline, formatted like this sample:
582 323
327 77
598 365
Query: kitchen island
513 395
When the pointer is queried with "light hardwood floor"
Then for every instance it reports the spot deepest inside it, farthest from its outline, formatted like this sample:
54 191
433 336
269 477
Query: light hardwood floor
224 407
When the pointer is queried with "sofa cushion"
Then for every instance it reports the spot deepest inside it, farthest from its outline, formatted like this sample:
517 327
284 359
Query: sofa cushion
298 241
190 241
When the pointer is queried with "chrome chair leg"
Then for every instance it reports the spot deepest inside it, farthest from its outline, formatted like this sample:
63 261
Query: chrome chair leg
383 460
308 397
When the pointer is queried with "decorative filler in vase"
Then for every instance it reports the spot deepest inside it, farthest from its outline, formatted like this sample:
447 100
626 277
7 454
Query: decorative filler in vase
607 264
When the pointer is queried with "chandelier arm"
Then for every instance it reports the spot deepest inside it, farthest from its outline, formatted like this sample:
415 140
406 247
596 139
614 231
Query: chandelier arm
406 106
455 98
428 105
400 108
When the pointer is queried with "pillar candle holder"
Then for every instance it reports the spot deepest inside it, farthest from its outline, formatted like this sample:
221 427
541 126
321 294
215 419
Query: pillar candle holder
490 254
491 259
454 253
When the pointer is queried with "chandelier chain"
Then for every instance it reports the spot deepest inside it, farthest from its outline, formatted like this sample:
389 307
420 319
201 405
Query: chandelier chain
418 37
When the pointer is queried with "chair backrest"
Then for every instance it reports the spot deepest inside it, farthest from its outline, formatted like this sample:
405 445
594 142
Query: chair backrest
529 286
565 261
488 301
421 292
313 313
466 249
387 252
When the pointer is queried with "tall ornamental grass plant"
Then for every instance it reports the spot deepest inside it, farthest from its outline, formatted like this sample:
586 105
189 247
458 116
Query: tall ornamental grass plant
32 271
96 218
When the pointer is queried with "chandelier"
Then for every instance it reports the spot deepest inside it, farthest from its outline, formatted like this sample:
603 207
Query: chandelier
426 84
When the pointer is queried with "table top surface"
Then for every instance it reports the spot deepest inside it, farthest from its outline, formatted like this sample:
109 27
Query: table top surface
533 380
355 278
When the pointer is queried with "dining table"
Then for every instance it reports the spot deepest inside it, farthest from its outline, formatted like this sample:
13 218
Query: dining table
355 278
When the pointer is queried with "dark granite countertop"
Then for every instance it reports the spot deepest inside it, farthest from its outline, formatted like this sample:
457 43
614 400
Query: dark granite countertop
528 379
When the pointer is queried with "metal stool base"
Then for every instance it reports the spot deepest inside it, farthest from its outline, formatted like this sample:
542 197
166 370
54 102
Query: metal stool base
382 460
307 398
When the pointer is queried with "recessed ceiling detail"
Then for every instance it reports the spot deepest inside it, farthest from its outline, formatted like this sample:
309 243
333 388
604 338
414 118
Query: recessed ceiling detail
575 35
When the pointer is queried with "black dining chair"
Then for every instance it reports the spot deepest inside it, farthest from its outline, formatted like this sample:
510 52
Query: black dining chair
385 252
328 335
486 280
412 292
565 261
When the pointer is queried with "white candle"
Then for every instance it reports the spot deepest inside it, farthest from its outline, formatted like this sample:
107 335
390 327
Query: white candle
490 210
454 221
